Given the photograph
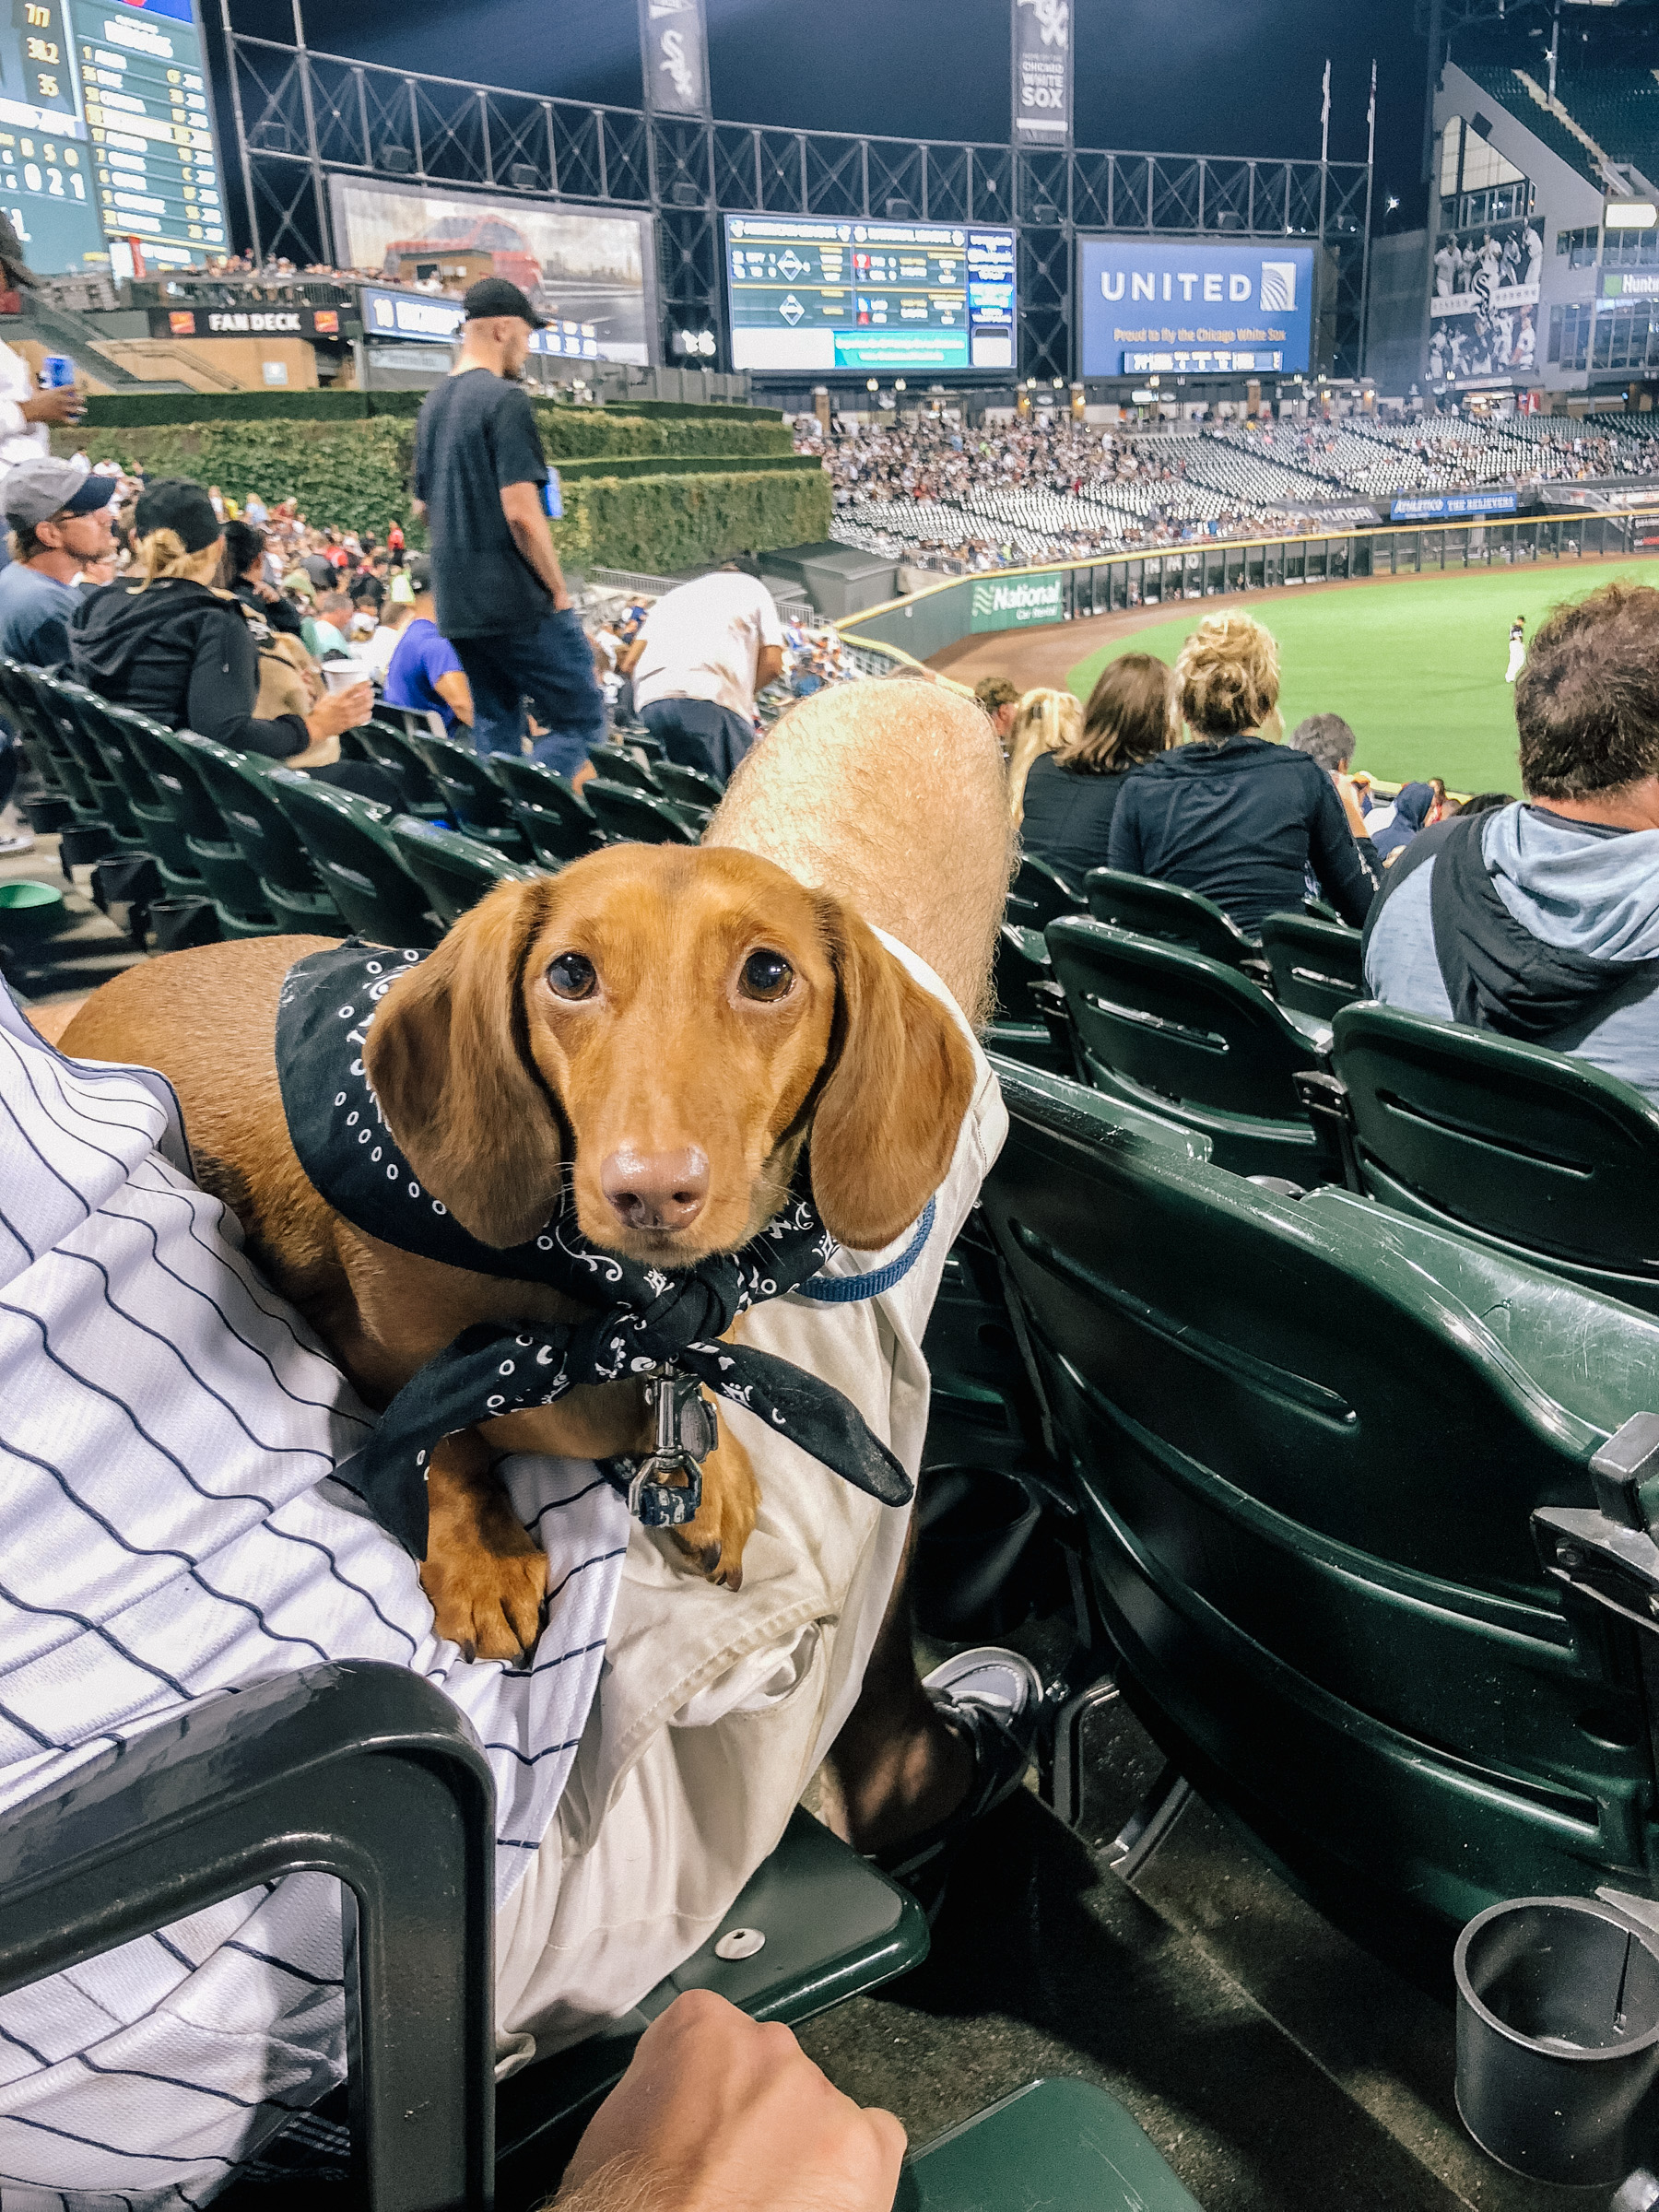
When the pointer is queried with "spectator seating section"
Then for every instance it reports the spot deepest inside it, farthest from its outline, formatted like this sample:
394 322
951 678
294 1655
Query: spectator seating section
617 764
290 886
1191 1040
367 1772
688 785
133 749
49 808
475 802
1533 1152
1040 895
627 815
354 853
454 871
1030 1024
1307 1437
1316 965
1169 912
555 820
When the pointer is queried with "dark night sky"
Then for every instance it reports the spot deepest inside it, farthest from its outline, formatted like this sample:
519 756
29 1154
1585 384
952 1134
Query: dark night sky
1221 76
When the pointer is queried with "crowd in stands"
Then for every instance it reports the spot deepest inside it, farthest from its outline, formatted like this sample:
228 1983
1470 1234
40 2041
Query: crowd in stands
945 496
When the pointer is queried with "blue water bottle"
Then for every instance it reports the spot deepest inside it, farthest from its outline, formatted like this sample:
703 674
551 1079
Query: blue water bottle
56 372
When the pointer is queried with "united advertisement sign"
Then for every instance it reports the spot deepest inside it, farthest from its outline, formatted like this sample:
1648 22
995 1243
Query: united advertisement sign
1009 603
1194 310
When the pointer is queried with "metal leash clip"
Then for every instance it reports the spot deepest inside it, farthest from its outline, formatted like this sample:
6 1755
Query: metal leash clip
665 1490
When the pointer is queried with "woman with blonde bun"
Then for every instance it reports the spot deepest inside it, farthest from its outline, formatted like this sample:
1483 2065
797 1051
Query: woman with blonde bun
1234 814
1043 721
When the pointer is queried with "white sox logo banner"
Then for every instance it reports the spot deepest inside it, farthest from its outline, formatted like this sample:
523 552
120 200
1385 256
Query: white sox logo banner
1042 72
675 46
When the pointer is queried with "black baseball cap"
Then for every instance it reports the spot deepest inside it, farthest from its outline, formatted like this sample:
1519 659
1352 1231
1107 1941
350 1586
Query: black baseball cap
178 504
494 296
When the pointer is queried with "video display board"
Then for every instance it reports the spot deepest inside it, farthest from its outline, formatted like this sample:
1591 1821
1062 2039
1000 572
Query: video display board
588 274
1192 308
107 134
807 295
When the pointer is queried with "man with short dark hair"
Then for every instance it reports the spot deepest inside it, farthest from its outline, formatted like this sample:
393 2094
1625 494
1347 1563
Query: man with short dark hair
480 479
1000 700
1540 920
425 670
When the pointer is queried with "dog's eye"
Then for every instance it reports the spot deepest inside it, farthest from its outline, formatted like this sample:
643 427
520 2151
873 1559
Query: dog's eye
767 975
571 975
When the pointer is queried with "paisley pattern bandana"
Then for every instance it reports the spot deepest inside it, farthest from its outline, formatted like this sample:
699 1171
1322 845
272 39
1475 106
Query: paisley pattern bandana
645 1319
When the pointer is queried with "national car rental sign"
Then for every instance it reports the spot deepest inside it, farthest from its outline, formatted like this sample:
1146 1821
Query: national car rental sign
1010 602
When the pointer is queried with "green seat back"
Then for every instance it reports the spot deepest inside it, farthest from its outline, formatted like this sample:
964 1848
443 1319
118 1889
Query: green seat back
1536 1149
1316 966
1308 1438
80 710
625 816
233 883
1020 961
475 800
1065 2146
353 852
1040 895
44 720
142 759
1167 912
388 746
689 786
555 818
617 765
242 790
454 870
1191 1037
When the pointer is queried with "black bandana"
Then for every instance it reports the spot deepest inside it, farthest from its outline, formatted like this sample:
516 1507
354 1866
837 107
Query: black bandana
1498 975
650 1318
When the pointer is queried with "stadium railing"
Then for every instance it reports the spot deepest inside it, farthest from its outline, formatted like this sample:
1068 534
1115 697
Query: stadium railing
916 628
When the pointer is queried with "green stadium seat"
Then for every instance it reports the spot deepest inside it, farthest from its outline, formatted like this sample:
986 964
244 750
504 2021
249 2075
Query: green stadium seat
414 722
139 751
79 710
1031 1023
53 809
1308 1437
1534 1152
232 885
1316 965
629 816
1191 1040
475 801
617 764
555 818
1065 2146
289 885
360 866
688 785
454 870
386 745
1040 895
1169 913
361 1764
86 836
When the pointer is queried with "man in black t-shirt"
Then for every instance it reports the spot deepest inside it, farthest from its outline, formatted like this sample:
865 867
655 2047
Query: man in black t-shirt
480 479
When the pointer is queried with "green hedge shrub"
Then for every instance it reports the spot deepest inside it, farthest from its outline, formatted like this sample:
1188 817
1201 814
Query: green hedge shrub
630 515
635 426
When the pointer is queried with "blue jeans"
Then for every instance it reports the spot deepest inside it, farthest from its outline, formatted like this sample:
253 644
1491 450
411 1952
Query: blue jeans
552 666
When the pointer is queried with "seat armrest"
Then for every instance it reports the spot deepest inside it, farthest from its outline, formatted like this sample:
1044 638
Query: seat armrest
358 1769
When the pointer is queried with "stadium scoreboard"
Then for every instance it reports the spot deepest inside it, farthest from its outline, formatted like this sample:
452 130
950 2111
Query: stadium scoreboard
817 296
107 135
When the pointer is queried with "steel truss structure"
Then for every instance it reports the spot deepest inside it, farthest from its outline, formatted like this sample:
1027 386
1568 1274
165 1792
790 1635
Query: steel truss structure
301 116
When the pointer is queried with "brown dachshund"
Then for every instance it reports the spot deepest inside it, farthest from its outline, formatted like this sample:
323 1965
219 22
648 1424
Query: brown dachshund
660 1029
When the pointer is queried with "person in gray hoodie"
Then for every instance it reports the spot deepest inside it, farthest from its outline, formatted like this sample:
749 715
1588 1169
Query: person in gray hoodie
1540 920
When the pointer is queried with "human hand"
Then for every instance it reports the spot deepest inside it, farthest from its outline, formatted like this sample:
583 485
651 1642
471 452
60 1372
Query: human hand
340 711
62 404
1349 794
719 2113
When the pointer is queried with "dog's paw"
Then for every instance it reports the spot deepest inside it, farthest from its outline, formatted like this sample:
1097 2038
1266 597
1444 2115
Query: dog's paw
715 1537
487 1601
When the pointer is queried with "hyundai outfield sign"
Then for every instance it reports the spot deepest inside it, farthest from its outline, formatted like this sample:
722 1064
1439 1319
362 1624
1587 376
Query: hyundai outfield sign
1010 603
1196 309
1443 506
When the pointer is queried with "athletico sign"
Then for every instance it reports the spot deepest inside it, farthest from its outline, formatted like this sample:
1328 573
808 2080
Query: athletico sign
1444 506
1010 606
1194 310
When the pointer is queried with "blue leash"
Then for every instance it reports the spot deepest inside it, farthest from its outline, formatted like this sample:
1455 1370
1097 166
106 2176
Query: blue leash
846 1289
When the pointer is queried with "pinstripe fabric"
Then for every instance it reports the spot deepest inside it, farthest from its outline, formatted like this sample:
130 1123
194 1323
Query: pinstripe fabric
169 1530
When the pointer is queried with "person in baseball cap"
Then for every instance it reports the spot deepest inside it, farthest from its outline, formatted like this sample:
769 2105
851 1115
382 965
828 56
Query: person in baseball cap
59 518
493 296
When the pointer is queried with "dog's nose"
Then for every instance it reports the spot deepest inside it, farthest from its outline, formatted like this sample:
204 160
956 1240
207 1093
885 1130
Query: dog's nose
656 1190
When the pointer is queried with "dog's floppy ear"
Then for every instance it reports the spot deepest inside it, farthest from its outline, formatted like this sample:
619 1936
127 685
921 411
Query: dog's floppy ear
449 1057
899 1076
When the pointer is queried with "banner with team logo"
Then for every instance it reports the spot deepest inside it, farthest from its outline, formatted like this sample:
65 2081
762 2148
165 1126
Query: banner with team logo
1483 309
674 44
1042 72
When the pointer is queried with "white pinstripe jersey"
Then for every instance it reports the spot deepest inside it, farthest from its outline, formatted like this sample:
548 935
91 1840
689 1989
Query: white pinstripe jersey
169 1530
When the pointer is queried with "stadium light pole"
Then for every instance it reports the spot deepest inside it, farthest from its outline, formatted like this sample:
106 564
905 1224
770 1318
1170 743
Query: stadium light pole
1371 174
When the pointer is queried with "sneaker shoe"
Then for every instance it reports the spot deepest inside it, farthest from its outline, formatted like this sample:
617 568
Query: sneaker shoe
993 1697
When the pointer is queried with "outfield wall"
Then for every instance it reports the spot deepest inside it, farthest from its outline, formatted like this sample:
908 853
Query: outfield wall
1009 600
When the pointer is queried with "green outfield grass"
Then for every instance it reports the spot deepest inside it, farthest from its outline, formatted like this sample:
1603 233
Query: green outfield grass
1415 666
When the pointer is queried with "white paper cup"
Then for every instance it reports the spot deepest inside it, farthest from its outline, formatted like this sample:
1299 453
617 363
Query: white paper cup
344 676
